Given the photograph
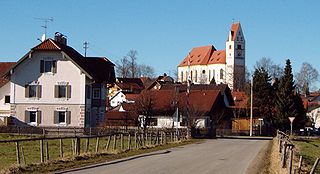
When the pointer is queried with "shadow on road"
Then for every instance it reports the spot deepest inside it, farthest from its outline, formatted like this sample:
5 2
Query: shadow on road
245 137
114 162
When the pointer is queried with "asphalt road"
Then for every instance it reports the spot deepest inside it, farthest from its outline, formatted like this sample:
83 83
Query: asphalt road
225 156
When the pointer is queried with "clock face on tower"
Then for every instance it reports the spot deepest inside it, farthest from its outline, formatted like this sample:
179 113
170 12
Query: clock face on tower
239 53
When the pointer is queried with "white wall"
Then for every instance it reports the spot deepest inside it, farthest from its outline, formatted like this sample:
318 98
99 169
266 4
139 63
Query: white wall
315 115
4 107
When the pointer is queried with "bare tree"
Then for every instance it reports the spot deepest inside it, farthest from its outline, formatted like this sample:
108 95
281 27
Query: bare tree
132 57
145 106
122 67
274 70
145 71
306 77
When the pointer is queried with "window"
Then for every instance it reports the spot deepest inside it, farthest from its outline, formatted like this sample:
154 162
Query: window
62 91
153 122
213 74
47 66
230 47
209 75
32 117
96 93
33 91
221 73
196 76
181 77
62 117
191 75
239 47
7 99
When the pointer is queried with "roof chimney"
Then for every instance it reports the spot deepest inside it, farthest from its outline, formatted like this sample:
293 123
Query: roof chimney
58 37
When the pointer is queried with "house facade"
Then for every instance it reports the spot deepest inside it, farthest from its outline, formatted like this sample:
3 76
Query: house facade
4 92
54 85
206 64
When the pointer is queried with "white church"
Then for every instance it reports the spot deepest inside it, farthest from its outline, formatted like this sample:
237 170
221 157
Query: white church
206 64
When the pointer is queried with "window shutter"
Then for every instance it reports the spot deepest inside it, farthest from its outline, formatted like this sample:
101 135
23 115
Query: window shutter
56 91
68 119
27 91
39 89
41 66
55 117
68 91
38 117
54 66
27 116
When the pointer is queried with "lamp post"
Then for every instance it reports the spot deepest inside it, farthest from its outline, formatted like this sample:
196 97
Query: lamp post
251 98
260 120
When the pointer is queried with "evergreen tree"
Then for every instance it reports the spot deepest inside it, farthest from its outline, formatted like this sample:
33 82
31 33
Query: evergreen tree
262 94
287 102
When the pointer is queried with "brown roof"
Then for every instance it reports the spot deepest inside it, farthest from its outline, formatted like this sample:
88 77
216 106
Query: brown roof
234 29
98 68
205 55
240 99
4 67
131 85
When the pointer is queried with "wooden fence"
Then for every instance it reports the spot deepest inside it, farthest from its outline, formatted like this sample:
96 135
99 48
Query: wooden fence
51 148
286 155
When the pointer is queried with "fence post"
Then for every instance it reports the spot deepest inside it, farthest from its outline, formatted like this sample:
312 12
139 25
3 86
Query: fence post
61 148
78 146
300 164
135 140
18 152
121 139
314 167
47 151
41 151
283 158
290 160
97 144
114 141
108 143
129 141
87 144
165 137
171 137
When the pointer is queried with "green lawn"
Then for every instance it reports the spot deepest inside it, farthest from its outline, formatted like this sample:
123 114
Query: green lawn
30 150
310 150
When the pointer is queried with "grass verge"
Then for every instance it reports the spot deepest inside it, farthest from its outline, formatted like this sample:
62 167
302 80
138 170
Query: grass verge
88 159
310 150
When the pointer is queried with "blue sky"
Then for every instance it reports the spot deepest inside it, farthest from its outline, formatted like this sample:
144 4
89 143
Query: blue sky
163 32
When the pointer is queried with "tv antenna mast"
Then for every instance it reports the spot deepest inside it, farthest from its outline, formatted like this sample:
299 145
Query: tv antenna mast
45 26
85 46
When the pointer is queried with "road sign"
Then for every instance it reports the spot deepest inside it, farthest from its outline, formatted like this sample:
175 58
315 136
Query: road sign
291 119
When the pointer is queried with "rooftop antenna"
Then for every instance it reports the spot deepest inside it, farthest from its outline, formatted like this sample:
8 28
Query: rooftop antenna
45 26
85 46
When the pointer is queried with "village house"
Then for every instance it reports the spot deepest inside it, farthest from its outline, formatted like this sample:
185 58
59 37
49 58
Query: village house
124 90
4 92
55 86
206 64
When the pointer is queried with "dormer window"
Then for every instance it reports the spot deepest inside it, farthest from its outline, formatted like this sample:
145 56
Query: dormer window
48 66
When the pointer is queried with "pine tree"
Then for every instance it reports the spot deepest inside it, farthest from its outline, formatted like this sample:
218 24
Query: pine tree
287 102
262 94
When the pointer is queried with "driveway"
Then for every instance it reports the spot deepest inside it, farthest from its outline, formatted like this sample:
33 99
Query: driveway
225 156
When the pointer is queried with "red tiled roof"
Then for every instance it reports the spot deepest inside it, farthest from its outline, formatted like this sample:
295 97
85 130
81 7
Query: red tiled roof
99 68
218 57
240 99
131 97
4 67
234 29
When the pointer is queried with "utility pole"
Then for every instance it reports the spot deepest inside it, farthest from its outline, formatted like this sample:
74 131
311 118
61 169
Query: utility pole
85 46
251 101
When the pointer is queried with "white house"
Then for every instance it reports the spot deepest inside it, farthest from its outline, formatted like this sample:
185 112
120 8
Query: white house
54 85
4 91
315 116
205 63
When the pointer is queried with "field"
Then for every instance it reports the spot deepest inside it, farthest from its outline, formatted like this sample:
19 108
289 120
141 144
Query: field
30 150
310 150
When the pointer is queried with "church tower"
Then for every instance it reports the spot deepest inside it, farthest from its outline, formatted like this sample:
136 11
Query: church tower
235 58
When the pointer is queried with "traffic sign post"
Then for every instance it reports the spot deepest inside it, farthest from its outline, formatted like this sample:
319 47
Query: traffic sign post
291 121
